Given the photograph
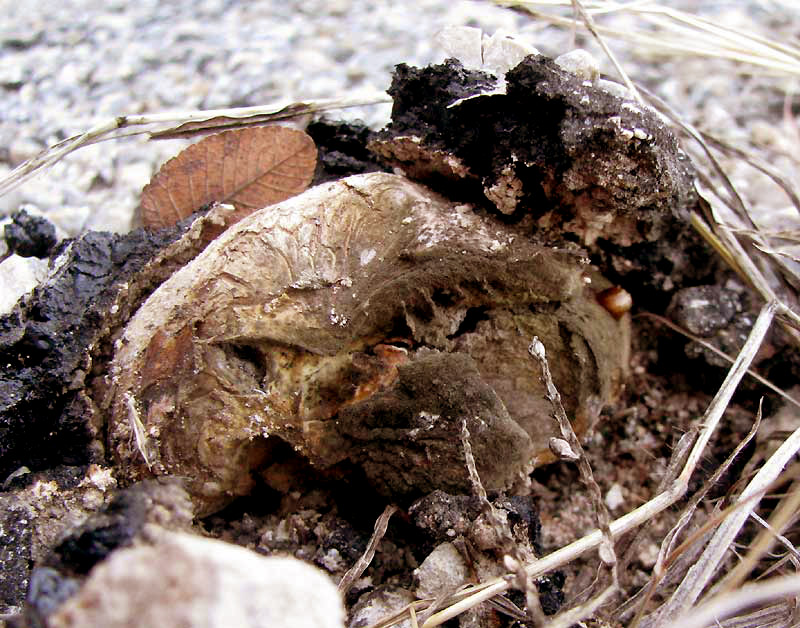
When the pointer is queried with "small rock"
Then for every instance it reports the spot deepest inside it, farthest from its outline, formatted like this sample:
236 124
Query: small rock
614 497
23 148
580 63
443 516
18 276
463 43
704 310
648 555
443 570
502 51
615 89
716 314
379 604
185 580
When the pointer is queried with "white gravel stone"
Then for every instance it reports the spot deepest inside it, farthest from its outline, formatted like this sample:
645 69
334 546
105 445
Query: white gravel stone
580 63
379 604
614 497
185 580
443 570
18 276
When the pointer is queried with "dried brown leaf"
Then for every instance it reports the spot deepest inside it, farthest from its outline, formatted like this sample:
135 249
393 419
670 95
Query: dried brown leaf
248 168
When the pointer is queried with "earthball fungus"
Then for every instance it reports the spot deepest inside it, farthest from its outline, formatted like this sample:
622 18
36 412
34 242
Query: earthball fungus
361 322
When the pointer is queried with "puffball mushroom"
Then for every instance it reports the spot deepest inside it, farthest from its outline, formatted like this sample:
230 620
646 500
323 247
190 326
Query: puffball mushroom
361 321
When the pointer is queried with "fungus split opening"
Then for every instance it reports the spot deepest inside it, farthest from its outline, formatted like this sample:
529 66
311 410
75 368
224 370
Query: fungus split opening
284 327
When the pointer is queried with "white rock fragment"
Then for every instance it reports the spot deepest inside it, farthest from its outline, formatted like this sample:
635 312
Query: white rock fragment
476 50
614 497
376 605
502 51
367 255
463 43
648 555
615 89
185 580
18 276
444 569
580 63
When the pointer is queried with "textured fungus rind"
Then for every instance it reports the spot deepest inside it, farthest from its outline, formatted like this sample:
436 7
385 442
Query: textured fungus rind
363 320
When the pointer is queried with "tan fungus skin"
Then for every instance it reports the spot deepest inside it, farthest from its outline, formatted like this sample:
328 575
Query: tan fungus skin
362 320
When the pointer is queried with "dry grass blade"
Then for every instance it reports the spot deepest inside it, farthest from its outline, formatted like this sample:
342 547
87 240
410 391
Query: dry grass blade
248 168
703 570
668 552
781 517
575 615
759 164
716 609
674 32
354 573
163 124
537 351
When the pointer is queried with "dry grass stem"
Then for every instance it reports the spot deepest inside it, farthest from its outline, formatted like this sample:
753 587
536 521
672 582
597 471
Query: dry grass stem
354 573
590 26
168 124
577 614
725 605
673 33
608 556
759 164
781 518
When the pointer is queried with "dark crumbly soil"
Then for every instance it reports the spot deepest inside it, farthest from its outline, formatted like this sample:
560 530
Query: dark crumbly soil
44 348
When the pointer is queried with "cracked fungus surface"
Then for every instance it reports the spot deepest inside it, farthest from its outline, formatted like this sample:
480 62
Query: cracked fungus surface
361 322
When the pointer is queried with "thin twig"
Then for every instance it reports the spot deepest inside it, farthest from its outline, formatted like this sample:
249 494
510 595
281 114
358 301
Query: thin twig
589 22
607 554
521 579
354 573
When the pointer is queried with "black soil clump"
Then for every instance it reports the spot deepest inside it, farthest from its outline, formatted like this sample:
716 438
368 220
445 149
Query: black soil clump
45 345
30 236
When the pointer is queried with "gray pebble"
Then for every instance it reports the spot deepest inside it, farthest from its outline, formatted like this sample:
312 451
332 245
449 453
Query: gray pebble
704 310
